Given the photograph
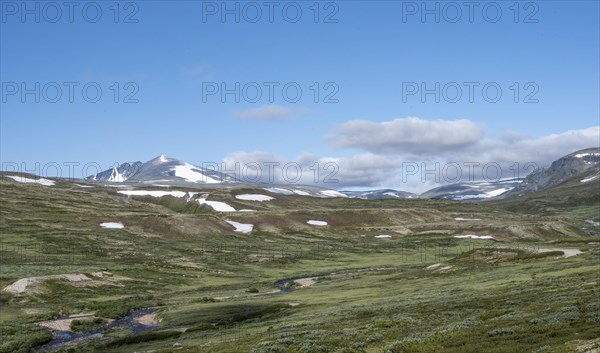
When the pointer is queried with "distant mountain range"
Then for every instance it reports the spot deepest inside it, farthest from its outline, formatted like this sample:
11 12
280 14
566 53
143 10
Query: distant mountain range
472 190
380 194
165 171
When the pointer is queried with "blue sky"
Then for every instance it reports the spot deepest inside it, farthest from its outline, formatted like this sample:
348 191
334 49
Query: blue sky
371 52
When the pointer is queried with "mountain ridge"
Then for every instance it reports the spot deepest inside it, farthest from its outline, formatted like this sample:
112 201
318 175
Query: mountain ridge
572 165
167 171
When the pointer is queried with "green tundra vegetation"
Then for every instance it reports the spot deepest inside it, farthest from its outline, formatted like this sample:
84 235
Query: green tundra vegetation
289 286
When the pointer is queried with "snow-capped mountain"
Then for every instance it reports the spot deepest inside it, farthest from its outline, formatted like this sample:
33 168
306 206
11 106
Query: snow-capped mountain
161 169
380 194
165 171
303 190
584 163
118 174
472 190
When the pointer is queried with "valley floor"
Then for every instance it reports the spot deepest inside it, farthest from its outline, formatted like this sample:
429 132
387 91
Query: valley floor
162 283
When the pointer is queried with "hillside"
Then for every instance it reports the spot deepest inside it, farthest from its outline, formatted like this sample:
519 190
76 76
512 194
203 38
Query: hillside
310 274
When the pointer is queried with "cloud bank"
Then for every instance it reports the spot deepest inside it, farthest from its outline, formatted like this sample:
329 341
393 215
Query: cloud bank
387 151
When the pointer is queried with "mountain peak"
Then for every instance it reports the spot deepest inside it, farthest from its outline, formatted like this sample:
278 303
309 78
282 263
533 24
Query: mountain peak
162 170
574 164
161 159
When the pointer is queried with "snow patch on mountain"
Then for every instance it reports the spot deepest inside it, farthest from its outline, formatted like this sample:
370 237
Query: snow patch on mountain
279 191
317 223
332 193
153 193
474 236
116 177
254 197
591 154
241 227
586 180
41 181
476 190
497 192
192 174
379 194
217 205
112 225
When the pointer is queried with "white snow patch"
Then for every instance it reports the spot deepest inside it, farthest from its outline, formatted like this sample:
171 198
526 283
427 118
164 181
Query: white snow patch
472 236
162 158
254 197
301 193
241 227
393 194
581 155
190 173
498 192
317 223
590 179
153 193
41 181
112 225
466 219
468 197
383 236
116 177
217 205
332 193
84 186
279 191
246 210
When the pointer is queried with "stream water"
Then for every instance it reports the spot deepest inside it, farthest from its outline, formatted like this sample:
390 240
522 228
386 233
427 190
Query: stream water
61 339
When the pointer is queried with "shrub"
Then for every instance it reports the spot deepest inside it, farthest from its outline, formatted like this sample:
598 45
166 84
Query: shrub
205 300
502 331
150 336
374 338
85 325
269 347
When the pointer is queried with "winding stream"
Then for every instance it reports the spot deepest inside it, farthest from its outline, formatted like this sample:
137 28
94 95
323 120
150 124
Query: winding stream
63 339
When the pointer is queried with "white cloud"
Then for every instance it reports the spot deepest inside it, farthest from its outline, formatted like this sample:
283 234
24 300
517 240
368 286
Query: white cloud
378 166
408 136
542 150
364 170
